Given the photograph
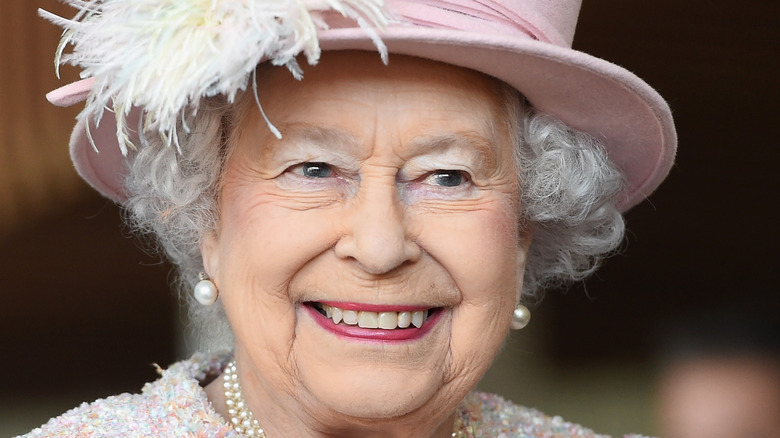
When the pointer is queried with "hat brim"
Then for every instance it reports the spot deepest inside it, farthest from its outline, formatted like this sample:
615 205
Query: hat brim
587 93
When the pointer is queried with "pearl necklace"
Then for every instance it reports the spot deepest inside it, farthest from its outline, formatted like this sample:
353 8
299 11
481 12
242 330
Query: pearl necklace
240 416
244 422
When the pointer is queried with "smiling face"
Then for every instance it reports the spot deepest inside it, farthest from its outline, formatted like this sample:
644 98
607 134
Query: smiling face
368 260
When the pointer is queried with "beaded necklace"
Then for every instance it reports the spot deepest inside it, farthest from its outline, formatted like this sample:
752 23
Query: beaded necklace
240 416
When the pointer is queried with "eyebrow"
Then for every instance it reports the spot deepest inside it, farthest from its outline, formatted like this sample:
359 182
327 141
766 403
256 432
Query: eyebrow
485 150
445 141
342 142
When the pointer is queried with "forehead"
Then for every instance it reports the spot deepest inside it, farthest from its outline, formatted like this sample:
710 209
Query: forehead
354 93
357 71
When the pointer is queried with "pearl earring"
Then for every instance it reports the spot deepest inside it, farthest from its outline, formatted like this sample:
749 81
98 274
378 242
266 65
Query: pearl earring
205 291
521 317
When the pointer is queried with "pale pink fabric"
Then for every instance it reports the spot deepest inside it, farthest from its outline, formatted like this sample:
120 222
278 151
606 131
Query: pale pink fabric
72 93
525 43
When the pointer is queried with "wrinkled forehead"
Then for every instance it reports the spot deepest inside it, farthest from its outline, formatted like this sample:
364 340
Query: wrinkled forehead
343 75
351 68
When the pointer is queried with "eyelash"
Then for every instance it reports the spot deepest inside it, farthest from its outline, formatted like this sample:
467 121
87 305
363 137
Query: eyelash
301 169
319 175
443 176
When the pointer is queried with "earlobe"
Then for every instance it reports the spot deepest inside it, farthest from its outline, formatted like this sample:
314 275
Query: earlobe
209 253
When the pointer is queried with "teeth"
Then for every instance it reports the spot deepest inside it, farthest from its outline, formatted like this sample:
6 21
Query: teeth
350 317
337 314
381 320
418 318
368 320
388 320
404 319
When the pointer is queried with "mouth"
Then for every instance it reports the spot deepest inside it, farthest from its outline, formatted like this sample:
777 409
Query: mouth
375 322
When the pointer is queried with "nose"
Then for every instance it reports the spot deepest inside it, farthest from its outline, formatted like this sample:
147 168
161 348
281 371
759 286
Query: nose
376 235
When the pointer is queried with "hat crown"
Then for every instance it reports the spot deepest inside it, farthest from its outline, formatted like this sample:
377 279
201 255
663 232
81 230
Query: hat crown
524 43
551 21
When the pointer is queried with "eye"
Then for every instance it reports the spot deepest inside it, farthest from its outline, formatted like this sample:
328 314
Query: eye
447 178
314 170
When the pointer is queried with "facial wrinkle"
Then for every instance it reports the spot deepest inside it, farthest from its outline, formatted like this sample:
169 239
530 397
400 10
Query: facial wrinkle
409 287
479 150
463 257
333 139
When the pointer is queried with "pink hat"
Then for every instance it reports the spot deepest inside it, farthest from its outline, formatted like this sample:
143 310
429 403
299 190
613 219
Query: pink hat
525 43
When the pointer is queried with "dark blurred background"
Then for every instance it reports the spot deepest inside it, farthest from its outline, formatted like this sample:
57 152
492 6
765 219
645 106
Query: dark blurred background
86 310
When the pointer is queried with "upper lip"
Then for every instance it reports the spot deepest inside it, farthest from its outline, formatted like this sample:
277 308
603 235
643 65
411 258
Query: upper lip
367 307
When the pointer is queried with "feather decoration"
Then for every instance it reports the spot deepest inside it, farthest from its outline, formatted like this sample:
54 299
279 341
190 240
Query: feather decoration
166 55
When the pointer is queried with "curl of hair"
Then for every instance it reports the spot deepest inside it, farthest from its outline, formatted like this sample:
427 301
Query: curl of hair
568 191
568 194
174 196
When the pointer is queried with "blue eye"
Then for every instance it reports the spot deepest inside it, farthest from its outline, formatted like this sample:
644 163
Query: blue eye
316 170
447 178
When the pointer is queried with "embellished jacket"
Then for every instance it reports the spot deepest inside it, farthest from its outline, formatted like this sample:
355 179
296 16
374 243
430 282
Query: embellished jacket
176 405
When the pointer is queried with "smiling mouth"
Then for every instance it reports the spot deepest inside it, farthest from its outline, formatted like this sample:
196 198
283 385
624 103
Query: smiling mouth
411 319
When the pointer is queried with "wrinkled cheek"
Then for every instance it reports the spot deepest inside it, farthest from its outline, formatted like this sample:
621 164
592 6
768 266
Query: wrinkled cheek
261 318
473 349
266 336
481 321
256 301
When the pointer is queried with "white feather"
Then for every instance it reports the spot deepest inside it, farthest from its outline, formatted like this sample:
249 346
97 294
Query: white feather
166 55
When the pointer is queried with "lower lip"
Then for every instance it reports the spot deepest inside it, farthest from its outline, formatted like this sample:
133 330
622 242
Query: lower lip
380 335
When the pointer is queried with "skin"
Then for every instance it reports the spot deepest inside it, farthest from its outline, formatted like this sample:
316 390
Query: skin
390 224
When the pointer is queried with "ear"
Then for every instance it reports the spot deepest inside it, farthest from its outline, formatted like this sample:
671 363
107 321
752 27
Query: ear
209 252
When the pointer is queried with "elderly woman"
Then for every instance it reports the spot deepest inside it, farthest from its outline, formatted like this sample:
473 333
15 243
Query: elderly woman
358 228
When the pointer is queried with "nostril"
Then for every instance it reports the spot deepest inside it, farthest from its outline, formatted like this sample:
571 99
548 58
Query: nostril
377 254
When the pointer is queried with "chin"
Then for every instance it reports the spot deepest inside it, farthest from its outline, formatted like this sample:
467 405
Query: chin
371 380
377 393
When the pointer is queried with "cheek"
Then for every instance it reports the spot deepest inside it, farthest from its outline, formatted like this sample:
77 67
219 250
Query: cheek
264 240
478 247
277 233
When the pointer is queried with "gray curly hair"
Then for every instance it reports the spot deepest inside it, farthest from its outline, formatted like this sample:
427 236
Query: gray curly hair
568 193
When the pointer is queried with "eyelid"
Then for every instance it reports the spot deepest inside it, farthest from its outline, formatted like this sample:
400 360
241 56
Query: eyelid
298 168
451 159
299 152
420 173
420 189
466 175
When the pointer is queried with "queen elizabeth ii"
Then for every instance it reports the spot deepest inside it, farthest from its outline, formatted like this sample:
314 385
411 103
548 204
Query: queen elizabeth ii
361 233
